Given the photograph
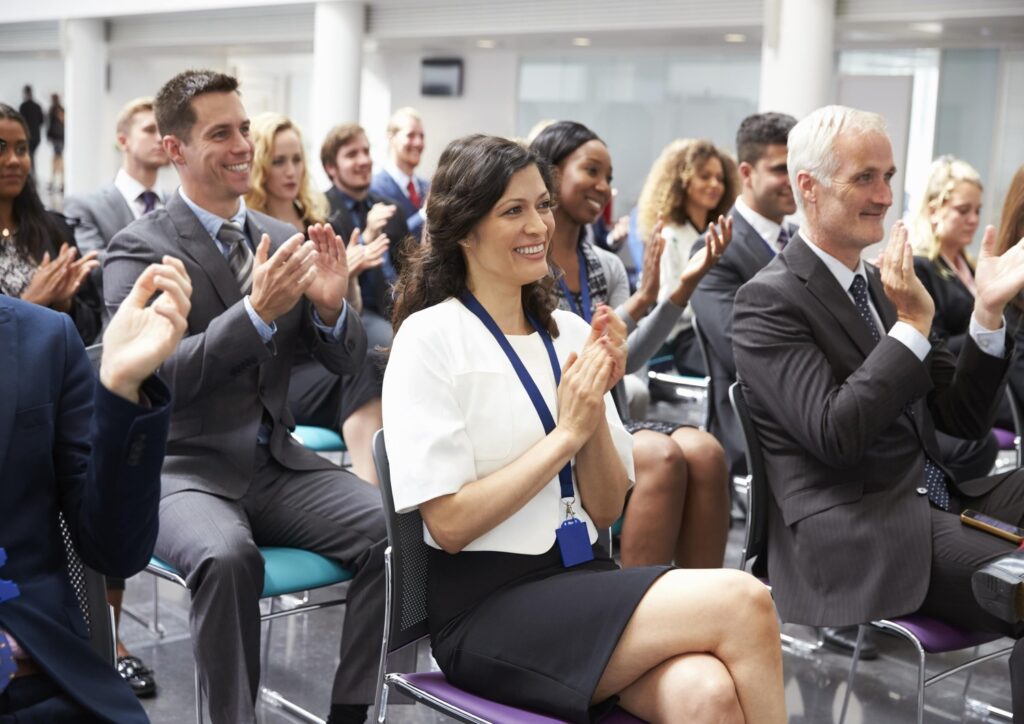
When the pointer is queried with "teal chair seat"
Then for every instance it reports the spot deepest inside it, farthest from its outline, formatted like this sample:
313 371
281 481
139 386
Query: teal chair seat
288 570
319 439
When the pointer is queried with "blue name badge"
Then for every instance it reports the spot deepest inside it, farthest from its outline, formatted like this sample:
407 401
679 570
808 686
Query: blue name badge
574 542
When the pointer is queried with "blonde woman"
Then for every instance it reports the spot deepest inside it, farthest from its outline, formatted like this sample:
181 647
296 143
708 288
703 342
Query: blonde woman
691 184
281 188
942 230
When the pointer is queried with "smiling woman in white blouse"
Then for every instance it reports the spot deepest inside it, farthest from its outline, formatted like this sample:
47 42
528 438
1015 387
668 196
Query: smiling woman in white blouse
502 433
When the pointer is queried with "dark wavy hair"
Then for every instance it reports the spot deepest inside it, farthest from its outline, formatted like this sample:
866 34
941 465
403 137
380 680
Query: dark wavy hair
558 140
35 226
472 174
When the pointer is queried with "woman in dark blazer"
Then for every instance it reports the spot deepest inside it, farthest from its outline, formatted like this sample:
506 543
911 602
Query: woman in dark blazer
39 261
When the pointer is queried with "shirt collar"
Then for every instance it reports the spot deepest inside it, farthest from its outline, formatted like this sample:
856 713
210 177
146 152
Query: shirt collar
399 177
840 271
130 188
210 221
766 228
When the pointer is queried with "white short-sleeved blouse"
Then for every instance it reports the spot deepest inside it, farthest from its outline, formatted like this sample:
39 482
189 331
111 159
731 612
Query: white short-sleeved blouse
455 411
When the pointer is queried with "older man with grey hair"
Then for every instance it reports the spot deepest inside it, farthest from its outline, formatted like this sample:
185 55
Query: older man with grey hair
847 391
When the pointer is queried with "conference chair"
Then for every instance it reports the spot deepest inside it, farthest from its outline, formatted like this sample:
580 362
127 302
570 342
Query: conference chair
405 624
928 635
90 589
286 571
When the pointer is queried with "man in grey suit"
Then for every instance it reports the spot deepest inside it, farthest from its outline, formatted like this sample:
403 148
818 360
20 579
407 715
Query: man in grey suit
233 477
99 216
846 390
133 193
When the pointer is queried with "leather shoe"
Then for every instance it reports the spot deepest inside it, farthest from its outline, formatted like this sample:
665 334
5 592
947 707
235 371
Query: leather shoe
138 675
844 641
999 587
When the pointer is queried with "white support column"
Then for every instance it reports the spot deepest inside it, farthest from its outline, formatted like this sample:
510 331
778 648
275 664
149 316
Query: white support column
797 55
337 67
84 45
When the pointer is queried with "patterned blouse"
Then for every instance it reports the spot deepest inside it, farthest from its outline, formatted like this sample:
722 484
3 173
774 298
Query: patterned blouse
16 269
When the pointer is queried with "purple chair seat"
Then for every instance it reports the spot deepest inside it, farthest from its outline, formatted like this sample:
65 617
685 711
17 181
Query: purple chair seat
1006 438
937 636
436 685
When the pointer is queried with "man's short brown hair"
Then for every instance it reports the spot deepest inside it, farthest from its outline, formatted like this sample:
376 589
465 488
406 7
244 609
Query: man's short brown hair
173 105
129 111
336 138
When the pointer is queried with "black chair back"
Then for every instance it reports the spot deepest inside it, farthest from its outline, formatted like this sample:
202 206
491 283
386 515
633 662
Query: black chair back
407 598
705 357
755 542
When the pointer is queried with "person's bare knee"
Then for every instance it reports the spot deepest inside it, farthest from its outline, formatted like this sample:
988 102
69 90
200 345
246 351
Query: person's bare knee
706 694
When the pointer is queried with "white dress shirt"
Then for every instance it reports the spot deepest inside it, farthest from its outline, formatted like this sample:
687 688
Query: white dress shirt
455 411
765 227
131 189
991 342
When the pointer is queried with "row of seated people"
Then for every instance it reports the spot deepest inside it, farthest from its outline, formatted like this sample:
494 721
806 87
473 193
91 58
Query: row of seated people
229 483
259 293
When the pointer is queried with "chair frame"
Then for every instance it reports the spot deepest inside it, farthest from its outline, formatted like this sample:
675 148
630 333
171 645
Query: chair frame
755 545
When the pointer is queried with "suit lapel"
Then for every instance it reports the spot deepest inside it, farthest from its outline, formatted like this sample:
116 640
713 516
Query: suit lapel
885 308
9 378
820 282
120 213
755 254
197 244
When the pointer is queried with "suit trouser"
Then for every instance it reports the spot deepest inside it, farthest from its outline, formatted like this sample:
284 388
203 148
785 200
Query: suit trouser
958 551
213 542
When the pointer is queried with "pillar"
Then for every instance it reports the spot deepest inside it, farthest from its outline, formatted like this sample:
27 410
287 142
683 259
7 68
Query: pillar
798 56
84 46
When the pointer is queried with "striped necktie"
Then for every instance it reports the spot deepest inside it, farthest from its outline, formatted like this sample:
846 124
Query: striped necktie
239 256
783 238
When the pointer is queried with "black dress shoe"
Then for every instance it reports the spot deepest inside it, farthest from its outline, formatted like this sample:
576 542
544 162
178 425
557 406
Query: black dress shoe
999 587
844 641
138 675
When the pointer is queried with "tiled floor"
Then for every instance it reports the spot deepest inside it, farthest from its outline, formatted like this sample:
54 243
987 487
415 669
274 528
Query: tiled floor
304 650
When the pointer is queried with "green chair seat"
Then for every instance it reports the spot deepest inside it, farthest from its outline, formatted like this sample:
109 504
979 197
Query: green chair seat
288 570
319 439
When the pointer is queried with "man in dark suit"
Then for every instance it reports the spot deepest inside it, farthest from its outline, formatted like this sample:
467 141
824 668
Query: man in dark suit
847 390
345 155
398 179
99 216
133 192
234 478
90 450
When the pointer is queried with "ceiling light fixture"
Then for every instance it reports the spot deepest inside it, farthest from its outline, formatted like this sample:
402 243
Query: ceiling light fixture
486 43
735 38
581 42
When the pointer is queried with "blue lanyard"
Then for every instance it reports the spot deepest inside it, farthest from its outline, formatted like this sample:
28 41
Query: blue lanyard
471 303
584 288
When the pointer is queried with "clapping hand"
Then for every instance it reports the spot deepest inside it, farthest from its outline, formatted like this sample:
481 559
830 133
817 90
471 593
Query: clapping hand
650 273
913 303
581 391
365 256
608 332
330 285
998 279
279 280
716 240
56 281
140 335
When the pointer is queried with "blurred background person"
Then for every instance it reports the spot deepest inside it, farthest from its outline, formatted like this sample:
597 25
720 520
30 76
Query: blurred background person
398 180
281 188
32 112
39 261
1011 231
690 185
55 135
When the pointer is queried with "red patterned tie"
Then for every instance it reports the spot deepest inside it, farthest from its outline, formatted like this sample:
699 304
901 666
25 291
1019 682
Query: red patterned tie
414 196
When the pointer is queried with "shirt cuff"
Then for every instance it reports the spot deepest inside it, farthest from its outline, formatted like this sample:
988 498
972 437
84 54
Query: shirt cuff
331 335
264 330
914 340
990 341
423 213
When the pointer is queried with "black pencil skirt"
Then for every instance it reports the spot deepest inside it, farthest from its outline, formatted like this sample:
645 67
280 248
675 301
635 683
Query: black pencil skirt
523 630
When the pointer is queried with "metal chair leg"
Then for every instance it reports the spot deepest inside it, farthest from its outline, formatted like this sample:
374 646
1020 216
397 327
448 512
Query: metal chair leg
199 695
853 672
920 682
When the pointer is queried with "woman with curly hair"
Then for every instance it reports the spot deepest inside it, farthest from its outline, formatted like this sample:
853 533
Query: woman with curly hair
39 261
281 188
501 432
691 185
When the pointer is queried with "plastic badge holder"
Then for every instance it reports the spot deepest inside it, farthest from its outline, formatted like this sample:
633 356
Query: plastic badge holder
574 543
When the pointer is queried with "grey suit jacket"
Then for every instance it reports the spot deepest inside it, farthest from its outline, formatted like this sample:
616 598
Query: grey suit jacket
224 379
712 303
100 216
849 533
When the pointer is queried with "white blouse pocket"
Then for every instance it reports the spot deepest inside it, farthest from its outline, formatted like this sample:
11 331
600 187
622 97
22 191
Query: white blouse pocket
485 402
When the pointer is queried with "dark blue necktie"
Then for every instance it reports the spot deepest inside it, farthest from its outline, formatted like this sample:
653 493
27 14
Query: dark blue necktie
934 478
783 237
149 199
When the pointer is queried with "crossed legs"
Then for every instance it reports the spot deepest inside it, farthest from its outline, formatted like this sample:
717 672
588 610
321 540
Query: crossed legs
679 507
701 646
